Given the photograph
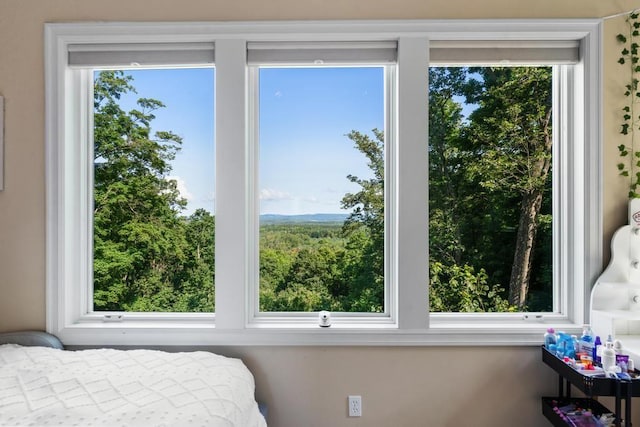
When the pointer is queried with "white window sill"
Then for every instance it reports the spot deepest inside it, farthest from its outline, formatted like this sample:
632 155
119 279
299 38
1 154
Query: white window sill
148 333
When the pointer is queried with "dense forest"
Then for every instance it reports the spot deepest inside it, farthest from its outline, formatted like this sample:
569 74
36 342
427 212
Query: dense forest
489 217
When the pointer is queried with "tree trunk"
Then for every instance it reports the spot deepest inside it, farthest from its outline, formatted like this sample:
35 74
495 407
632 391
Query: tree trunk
528 223
525 241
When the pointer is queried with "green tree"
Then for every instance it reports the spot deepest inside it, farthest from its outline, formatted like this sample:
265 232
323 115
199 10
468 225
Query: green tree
302 267
512 139
488 177
274 269
139 243
364 227
446 165
457 288
195 284
479 169
457 280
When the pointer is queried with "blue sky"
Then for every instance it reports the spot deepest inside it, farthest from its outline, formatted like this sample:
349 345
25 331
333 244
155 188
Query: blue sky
188 97
305 114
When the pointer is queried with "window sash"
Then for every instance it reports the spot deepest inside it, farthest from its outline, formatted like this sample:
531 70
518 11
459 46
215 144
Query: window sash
561 80
389 314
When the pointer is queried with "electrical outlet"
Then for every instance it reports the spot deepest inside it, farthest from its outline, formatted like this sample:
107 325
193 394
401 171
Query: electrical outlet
355 406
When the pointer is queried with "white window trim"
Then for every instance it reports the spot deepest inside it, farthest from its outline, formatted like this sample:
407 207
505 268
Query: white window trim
67 123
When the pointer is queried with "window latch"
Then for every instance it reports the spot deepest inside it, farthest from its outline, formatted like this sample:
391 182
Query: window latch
113 318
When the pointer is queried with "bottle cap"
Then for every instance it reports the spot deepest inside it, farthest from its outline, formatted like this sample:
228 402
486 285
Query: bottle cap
551 330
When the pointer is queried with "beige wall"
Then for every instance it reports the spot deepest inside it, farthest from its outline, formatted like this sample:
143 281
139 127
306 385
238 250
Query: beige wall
304 386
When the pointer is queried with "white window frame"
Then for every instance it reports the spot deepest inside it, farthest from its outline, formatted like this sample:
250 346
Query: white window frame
389 315
68 121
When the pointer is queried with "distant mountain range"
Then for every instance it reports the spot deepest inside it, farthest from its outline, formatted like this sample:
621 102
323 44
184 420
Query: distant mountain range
306 218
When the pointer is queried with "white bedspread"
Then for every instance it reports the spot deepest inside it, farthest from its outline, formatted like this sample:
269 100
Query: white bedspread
48 387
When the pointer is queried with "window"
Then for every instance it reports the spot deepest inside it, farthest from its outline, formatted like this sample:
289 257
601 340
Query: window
365 86
153 210
311 163
490 186
493 110
321 114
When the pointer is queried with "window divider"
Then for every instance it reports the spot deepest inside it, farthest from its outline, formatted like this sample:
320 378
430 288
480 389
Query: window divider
231 231
412 197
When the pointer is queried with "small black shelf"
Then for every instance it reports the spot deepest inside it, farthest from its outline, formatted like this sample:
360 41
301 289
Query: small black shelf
550 403
591 385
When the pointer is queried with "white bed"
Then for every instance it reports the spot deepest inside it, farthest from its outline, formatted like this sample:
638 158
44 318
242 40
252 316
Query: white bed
41 386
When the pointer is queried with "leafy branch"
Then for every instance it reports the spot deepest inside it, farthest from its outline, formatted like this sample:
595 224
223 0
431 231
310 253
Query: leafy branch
629 56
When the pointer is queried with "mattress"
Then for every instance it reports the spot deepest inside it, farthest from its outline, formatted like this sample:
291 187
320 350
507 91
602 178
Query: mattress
50 387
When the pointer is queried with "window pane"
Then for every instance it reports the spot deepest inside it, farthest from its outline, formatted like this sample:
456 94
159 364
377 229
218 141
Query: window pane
490 189
154 215
321 183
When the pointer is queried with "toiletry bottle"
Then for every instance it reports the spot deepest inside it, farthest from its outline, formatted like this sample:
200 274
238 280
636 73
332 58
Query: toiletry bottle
599 350
596 345
586 341
576 345
549 338
570 346
561 344
617 346
624 367
608 357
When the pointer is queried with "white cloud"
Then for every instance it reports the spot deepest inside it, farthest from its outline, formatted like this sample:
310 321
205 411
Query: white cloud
181 185
268 194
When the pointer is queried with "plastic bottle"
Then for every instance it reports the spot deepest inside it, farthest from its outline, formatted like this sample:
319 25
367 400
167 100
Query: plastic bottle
599 350
596 345
576 345
624 367
550 338
586 341
561 343
617 346
608 357
587 419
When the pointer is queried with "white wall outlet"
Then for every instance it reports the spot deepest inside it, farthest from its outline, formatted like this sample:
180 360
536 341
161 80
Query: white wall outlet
355 406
